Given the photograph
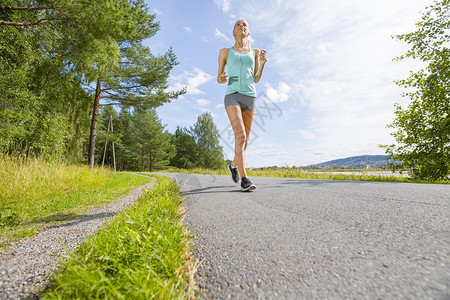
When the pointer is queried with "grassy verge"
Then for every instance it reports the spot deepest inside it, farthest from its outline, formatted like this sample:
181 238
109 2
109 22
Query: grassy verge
307 174
140 254
35 193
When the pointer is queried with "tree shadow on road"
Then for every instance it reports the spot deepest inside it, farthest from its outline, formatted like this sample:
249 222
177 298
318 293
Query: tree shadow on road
209 190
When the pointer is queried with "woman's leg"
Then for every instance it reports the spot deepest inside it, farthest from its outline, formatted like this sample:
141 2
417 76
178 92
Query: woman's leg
235 116
247 118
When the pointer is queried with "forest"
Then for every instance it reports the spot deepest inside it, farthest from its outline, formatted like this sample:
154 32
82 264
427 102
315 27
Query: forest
65 69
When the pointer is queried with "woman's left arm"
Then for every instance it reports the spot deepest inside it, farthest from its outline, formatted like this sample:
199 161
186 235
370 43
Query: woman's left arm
260 61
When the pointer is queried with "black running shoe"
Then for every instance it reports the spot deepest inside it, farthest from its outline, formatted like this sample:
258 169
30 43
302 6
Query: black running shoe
234 173
247 185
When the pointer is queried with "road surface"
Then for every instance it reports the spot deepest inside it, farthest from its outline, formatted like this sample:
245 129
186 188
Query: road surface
318 239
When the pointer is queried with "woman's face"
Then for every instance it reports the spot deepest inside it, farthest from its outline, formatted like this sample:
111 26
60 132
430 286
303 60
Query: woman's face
241 28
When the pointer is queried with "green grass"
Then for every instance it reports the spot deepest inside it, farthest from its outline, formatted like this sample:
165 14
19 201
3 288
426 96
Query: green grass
140 254
306 174
35 193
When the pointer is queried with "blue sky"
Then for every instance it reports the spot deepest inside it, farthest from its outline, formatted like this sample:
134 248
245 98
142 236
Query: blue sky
327 90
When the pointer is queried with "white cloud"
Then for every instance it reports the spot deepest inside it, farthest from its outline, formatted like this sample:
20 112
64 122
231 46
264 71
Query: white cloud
292 110
187 29
205 110
265 149
203 102
261 153
223 4
335 60
219 34
197 80
280 94
157 12
191 80
308 135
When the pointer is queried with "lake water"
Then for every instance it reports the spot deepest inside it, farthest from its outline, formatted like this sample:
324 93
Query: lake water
368 173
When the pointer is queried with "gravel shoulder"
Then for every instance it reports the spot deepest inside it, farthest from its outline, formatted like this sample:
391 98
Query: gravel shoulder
29 265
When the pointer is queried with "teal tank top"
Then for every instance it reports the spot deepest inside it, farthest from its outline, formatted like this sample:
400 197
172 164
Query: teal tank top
241 73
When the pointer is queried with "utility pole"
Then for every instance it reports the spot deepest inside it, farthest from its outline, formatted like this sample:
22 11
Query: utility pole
110 129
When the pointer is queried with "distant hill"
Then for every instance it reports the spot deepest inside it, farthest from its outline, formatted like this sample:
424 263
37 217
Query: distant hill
355 162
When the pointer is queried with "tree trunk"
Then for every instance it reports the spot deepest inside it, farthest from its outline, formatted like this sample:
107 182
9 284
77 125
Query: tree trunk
106 142
114 152
94 123
151 162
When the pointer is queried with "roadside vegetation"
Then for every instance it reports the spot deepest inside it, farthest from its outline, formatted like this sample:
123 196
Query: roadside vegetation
422 127
140 254
35 193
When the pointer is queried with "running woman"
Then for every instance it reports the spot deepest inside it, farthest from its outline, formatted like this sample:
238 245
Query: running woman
245 67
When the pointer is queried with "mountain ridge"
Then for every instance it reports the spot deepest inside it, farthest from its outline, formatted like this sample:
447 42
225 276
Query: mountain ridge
355 162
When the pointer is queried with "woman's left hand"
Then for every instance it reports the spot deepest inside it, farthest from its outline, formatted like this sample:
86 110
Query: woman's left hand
262 57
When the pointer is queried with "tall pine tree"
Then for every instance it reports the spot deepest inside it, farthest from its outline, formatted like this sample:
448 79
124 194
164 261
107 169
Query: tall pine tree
127 150
155 149
140 80
187 152
206 136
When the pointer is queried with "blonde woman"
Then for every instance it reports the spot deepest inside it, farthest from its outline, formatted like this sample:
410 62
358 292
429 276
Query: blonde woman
245 66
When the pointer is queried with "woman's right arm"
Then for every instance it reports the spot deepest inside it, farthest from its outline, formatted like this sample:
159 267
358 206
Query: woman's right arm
221 75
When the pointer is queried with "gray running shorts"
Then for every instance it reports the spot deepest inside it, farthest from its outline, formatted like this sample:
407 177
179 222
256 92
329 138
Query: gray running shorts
245 102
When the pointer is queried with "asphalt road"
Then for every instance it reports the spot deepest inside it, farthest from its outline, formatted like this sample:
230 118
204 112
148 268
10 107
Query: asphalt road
318 239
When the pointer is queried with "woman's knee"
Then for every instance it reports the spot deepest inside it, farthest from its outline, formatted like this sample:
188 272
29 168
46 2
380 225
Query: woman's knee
240 138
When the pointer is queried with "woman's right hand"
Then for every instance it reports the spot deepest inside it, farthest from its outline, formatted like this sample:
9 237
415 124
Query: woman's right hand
222 78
